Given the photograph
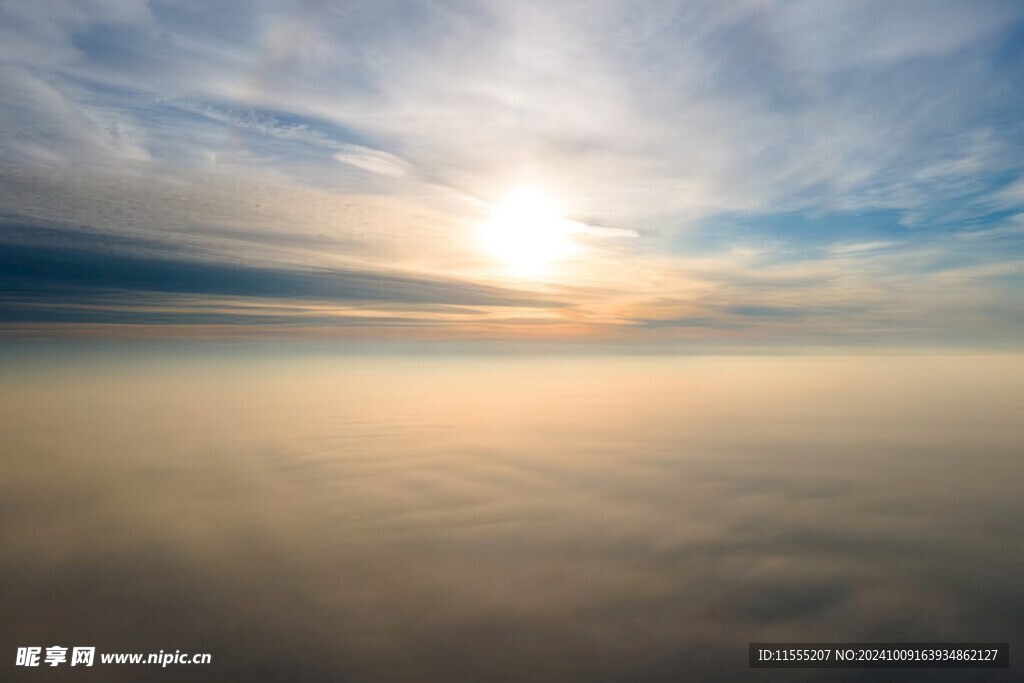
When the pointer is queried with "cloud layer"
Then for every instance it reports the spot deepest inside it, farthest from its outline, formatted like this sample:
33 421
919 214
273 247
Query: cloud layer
868 148
584 519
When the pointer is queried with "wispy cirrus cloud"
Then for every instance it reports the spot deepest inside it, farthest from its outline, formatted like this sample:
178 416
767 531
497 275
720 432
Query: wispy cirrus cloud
846 142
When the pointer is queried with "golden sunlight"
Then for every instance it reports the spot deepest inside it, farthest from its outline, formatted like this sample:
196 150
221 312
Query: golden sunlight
527 233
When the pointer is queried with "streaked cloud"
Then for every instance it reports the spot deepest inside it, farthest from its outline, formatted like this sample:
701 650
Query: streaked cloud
372 160
715 154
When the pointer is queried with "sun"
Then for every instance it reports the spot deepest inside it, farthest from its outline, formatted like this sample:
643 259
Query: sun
527 233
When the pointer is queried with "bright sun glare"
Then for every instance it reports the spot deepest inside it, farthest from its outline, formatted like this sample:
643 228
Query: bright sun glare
526 232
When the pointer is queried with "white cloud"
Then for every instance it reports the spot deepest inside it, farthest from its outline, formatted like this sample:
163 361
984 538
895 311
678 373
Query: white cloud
859 247
42 124
636 111
390 124
372 160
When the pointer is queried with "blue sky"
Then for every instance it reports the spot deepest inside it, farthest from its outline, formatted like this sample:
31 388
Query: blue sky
802 173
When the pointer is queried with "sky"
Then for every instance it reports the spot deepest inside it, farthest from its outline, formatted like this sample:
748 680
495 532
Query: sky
798 174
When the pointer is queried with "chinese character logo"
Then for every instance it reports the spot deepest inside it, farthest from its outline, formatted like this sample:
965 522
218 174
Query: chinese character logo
55 654
28 656
83 655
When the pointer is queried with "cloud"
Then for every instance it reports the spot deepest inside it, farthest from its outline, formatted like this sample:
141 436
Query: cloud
602 519
47 266
42 124
372 160
860 247
681 110
377 133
